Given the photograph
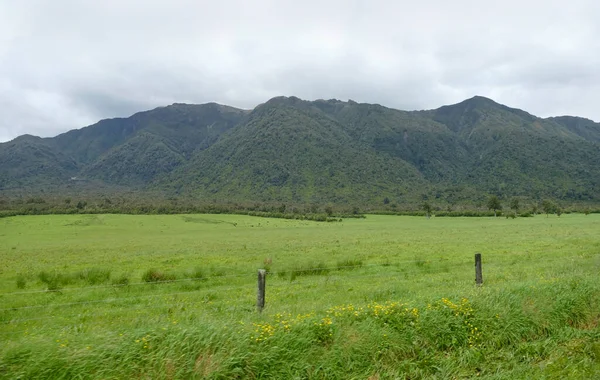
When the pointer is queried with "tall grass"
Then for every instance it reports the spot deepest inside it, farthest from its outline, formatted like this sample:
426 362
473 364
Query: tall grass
521 332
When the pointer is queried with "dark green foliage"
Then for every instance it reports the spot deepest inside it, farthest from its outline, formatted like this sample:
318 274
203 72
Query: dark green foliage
494 204
514 205
548 206
427 208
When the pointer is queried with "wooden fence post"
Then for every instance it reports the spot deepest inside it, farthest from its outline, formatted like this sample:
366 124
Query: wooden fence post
260 295
478 275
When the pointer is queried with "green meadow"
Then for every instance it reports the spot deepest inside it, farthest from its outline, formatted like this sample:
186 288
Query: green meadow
174 297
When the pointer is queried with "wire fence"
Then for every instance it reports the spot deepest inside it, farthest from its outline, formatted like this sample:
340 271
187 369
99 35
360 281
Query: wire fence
335 272
422 265
218 276
128 308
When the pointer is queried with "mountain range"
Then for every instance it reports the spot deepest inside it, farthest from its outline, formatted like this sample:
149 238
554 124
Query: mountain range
323 151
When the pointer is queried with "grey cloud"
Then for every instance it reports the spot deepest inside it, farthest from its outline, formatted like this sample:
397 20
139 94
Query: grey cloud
68 63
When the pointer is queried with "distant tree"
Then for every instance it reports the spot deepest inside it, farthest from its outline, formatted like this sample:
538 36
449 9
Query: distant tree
282 208
494 204
514 205
586 211
548 206
534 209
558 210
329 210
427 208
386 200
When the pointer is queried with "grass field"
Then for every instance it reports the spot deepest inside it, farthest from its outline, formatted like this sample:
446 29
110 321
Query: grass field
120 296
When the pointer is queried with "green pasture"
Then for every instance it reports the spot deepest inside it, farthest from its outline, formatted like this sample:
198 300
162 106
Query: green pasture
173 296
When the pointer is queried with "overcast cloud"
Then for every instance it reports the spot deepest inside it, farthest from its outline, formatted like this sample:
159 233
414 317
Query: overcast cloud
65 64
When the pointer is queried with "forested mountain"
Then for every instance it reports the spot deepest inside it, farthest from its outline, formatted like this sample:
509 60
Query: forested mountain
288 149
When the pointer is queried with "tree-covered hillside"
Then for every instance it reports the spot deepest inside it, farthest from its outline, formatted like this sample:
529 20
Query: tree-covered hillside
324 151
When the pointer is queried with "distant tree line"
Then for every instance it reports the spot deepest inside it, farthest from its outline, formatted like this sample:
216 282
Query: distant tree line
121 205
38 205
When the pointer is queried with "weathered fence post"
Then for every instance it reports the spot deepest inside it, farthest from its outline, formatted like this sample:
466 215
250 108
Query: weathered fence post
478 275
260 295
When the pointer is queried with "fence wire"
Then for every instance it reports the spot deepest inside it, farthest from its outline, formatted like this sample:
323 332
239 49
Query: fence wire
428 268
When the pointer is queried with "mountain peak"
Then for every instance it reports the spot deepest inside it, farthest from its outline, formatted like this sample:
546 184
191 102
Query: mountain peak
27 138
284 100
468 112
476 101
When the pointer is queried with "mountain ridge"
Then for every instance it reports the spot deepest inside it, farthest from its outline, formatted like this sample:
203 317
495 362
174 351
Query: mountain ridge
326 150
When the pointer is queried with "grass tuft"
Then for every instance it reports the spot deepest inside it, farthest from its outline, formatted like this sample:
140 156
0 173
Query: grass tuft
349 264
122 280
94 276
154 275
21 281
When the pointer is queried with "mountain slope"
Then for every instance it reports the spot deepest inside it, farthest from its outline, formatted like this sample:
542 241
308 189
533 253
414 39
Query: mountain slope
158 141
30 162
585 128
324 151
513 152
289 150
124 151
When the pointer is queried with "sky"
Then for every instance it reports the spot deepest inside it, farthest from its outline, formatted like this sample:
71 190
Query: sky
66 64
